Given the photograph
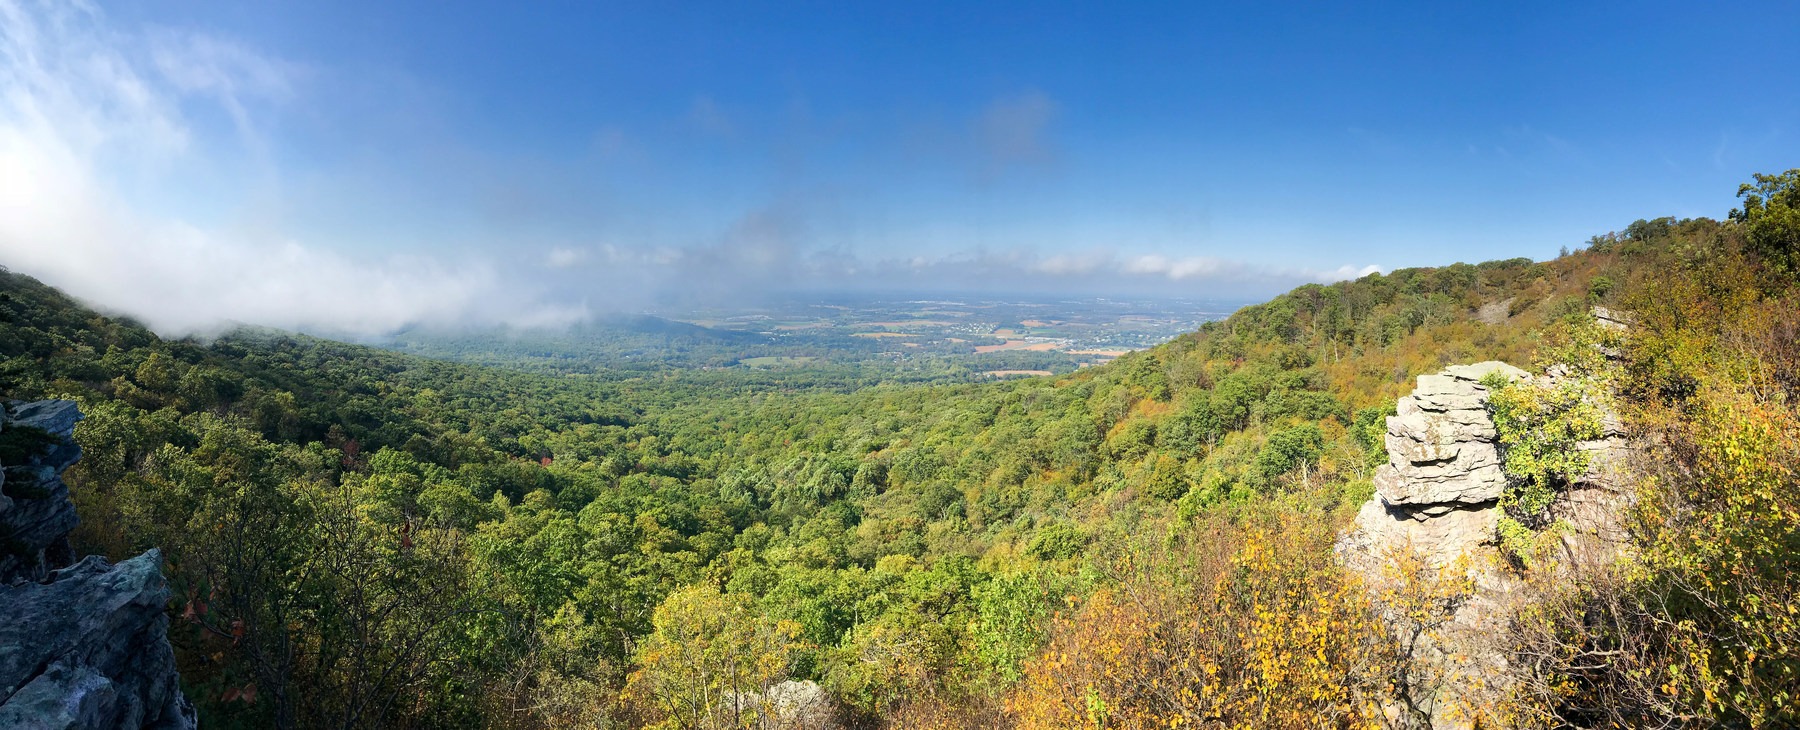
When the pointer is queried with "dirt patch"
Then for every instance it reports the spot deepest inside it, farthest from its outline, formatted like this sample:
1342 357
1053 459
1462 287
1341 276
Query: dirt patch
1009 373
1495 312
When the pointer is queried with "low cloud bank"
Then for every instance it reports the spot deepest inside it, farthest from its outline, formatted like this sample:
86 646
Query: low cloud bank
136 162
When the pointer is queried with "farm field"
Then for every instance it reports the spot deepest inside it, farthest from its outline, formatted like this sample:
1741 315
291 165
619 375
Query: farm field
878 339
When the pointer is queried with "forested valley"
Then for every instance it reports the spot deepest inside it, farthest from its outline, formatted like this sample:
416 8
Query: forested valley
359 538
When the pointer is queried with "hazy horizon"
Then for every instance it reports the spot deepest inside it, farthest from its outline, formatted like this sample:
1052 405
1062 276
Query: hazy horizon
336 167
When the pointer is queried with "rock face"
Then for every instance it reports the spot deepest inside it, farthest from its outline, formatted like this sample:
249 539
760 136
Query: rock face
794 705
801 705
82 646
1613 319
1436 500
89 649
1442 443
35 512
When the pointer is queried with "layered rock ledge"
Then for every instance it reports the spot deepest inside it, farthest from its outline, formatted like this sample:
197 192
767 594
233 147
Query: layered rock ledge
89 648
1438 491
35 512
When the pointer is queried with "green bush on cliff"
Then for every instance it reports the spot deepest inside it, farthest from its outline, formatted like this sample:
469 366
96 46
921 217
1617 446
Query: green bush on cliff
1541 428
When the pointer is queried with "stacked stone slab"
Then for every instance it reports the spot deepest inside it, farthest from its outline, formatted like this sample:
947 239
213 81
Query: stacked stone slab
1438 498
81 646
1444 473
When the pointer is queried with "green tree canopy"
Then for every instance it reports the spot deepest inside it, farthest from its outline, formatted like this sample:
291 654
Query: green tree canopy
1771 218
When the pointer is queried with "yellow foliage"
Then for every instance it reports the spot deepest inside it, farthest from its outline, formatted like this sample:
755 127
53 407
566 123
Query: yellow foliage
709 660
1250 629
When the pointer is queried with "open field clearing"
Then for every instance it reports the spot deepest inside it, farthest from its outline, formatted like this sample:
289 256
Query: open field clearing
1018 345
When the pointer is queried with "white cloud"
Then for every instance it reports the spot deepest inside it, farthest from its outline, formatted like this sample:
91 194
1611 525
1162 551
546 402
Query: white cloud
563 257
1346 272
1070 264
84 106
1176 269
229 73
92 117
1193 269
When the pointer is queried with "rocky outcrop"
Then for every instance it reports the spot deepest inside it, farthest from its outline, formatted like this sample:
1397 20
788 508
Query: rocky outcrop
1613 319
88 648
82 645
800 705
1438 490
1436 504
1495 312
793 705
35 512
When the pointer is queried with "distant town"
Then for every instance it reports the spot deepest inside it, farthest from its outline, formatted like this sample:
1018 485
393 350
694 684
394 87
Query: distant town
1085 330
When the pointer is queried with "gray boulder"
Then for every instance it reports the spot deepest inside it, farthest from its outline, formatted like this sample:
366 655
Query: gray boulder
791 705
1437 499
57 417
1441 444
89 649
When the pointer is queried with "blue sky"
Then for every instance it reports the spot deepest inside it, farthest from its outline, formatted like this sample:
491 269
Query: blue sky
361 166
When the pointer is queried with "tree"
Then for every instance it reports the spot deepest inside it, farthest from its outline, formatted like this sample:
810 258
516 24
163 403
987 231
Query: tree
332 618
710 659
1771 219
1541 429
1289 449
1010 614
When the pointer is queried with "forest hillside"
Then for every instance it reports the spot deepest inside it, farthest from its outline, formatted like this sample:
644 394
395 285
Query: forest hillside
358 538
